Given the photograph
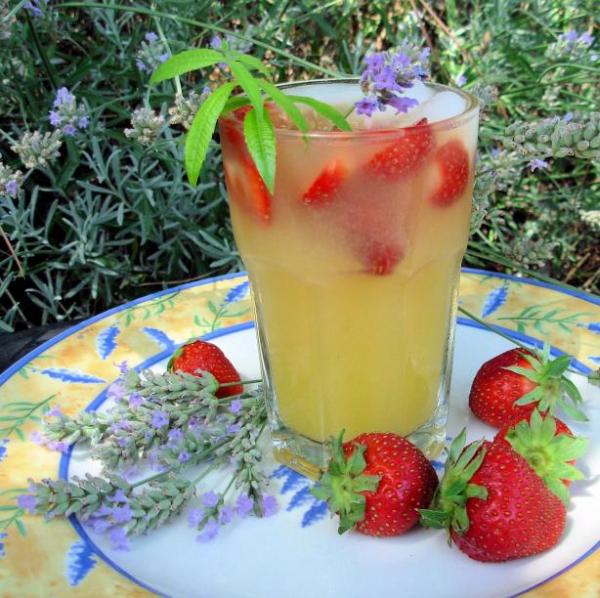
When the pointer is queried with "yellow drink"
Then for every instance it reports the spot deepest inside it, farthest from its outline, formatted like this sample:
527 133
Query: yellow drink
354 264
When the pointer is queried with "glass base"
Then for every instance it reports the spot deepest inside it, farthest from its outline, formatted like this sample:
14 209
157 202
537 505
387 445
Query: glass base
310 458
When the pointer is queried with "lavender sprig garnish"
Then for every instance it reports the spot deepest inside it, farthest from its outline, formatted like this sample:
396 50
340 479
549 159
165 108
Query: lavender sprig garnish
172 421
387 76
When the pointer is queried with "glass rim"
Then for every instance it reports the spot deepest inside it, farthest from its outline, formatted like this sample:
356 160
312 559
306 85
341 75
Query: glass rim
471 109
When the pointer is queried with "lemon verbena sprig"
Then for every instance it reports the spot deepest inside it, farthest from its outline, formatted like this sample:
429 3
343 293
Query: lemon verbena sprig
249 74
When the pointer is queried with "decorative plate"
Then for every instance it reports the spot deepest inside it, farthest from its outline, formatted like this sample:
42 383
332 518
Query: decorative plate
298 549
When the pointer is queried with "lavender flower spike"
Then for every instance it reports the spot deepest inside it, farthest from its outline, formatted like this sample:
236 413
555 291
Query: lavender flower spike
388 74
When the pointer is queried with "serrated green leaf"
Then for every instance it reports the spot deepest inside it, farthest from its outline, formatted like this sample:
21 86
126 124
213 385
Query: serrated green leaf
284 101
260 140
330 113
184 62
234 103
249 84
558 366
201 131
530 397
251 62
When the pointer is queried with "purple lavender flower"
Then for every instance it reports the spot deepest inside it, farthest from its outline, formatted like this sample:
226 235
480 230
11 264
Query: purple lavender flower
116 391
123 441
269 505
460 80
151 37
36 437
387 74
536 164
69 130
12 187
55 118
244 505
195 517
118 539
568 117
367 106
27 501
175 437
209 531
123 367
159 419
63 96
184 457
35 7
234 428
135 400
119 496
586 39
100 525
164 56
210 499
402 104
58 446
216 42
83 122
122 514
54 412
103 511
226 515
569 36
141 66
3 535
236 406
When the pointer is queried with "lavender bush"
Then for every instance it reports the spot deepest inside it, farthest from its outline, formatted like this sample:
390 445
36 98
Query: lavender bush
94 205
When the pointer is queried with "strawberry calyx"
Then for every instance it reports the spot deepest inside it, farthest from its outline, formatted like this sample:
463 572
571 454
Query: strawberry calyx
174 356
553 389
448 510
546 453
342 485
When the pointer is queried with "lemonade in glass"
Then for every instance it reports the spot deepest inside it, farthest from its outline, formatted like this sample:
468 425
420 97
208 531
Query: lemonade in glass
354 262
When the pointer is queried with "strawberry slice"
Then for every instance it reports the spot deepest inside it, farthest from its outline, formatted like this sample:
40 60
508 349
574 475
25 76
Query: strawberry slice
325 187
245 186
405 155
382 258
452 159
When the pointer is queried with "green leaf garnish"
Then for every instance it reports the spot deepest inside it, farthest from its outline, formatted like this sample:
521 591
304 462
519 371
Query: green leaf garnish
260 140
184 62
249 84
329 112
286 104
251 62
201 131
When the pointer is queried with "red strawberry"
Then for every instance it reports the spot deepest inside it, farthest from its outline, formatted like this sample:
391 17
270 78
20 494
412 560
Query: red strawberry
376 483
325 187
381 258
493 501
452 160
509 386
405 155
200 355
245 186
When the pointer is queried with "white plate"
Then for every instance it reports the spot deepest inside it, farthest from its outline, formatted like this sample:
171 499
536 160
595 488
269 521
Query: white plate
298 552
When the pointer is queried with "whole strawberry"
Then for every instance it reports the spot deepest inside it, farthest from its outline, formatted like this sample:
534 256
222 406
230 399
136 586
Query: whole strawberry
376 483
499 504
511 385
198 356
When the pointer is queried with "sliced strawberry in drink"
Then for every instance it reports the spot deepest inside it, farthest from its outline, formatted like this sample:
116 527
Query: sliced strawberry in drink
452 160
382 258
245 186
325 187
405 155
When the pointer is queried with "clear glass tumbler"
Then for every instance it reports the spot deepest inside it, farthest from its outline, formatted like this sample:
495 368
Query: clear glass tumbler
354 263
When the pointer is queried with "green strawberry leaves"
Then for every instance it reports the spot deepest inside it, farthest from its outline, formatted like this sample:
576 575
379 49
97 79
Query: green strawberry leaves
342 485
554 391
259 132
449 509
547 454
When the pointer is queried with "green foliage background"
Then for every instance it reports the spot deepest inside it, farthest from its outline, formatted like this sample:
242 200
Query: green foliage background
111 219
